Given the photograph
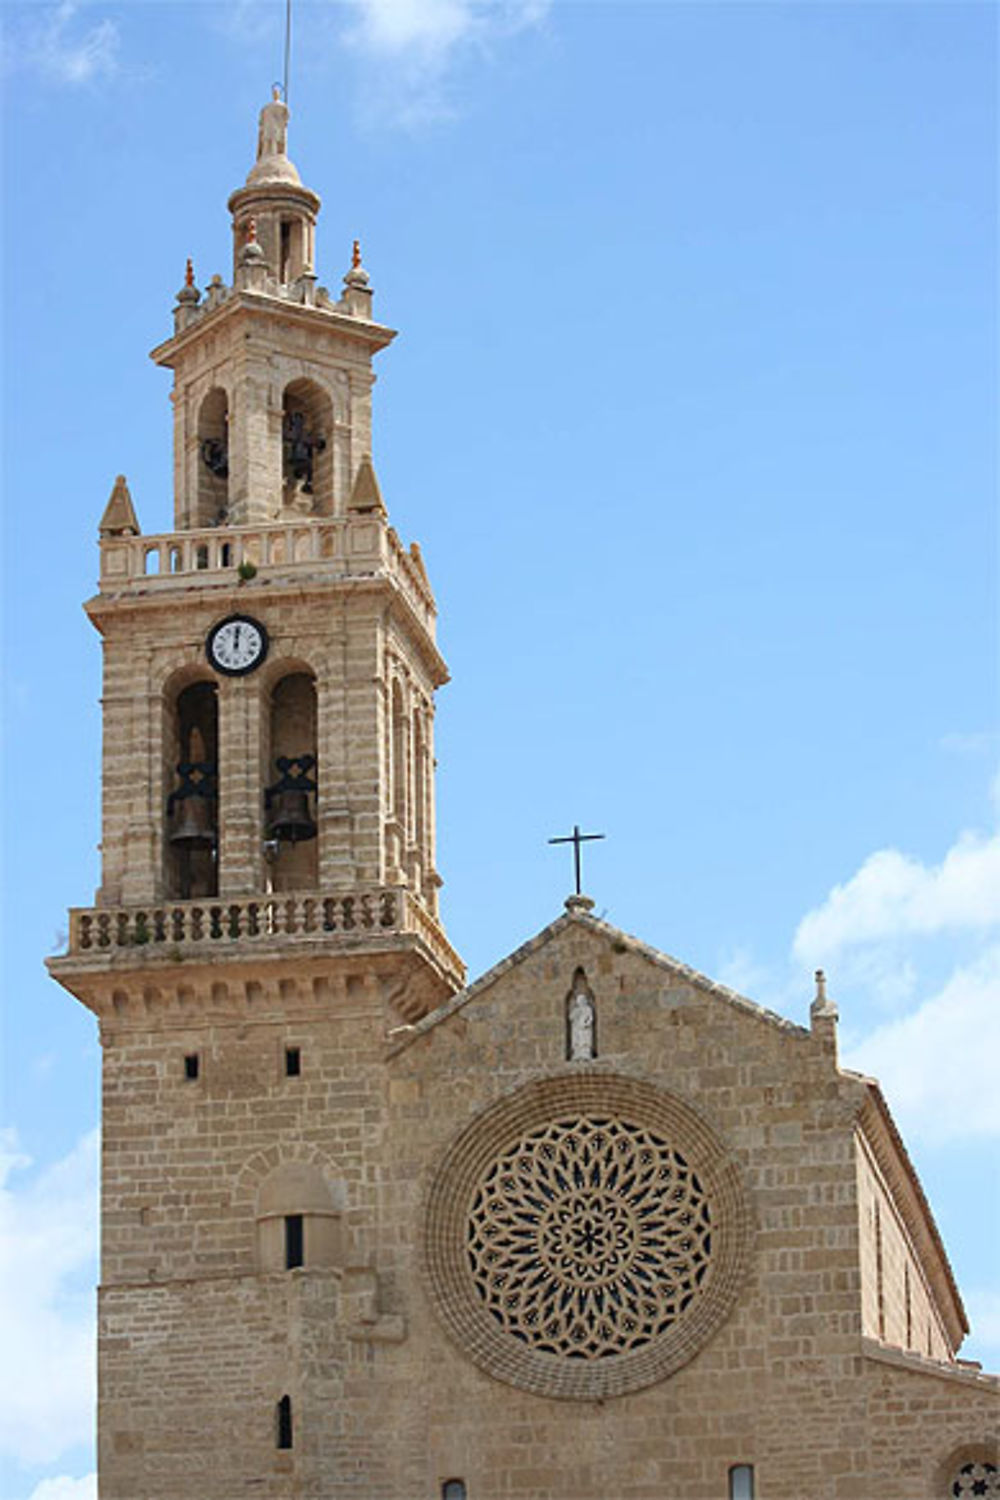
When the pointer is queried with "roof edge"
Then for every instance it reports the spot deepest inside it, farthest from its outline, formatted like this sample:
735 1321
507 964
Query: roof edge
882 1136
615 935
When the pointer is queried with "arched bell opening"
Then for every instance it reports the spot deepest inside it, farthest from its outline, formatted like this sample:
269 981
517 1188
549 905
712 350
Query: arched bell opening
396 811
290 817
307 449
419 796
192 806
213 459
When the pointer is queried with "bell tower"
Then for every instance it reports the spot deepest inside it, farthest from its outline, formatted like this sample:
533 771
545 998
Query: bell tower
267 913
270 665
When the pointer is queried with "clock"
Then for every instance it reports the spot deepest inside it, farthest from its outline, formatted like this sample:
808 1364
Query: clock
236 645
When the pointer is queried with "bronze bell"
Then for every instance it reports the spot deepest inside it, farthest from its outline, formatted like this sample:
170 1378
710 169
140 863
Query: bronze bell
287 801
290 820
191 807
193 824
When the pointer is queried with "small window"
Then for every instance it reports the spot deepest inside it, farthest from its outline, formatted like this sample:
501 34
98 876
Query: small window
741 1482
294 1242
191 1066
454 1489
283 1422
293 1062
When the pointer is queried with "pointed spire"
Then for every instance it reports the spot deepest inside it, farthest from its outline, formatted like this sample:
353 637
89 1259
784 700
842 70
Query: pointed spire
365 494
119 518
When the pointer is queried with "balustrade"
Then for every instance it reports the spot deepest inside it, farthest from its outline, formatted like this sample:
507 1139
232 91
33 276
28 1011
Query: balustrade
357 545
184 925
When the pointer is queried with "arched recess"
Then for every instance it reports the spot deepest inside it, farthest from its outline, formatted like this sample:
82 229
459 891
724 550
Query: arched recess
213 459
290 797
307 449
398 798
299 1191
421 796
191 778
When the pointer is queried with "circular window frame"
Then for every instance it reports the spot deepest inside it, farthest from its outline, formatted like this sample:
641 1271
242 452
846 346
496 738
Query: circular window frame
498 1129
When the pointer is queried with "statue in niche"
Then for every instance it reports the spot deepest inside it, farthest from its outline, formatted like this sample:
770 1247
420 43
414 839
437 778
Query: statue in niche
580 1022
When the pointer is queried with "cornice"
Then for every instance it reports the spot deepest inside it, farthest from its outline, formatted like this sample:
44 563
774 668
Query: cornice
373 336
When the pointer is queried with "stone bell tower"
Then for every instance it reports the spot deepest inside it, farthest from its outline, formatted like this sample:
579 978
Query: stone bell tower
267 913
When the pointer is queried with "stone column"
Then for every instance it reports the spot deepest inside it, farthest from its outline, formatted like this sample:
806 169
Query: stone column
240 786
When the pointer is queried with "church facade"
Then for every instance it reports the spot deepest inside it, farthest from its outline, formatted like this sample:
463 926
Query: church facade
593 1227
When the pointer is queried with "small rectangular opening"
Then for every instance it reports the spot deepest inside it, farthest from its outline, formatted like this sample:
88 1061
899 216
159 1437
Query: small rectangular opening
286 248
284 1424
191 1066
293 1062
741 1482
294 1241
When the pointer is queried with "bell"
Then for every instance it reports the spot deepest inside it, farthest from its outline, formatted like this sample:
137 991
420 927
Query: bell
193 824
290 820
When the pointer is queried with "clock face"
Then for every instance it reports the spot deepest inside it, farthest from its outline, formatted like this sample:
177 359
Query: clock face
236 645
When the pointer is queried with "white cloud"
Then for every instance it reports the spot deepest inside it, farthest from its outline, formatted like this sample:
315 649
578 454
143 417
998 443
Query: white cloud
894 895
65 48
48 1252
415 44
937 1064
65 1488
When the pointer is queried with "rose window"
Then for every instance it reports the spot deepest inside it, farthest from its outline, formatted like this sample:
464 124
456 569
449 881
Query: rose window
589 1237
585 1236
977 1479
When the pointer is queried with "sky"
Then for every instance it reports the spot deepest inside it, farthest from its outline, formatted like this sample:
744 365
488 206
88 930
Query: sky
693 413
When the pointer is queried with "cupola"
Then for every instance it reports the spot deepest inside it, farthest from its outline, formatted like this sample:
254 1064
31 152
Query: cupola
275 200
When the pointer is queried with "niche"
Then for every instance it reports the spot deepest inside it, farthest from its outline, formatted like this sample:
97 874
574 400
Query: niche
290 827
307 449
420 788
213 460
581 1020
192 811
299 1220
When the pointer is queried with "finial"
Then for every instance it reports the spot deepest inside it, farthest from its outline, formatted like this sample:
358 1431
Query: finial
822 1005
189 272
356 256
276 92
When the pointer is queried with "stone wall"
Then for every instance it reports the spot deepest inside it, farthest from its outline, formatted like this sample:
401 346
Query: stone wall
388 1400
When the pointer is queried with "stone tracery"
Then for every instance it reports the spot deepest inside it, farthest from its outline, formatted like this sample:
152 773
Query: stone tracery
976 1479
586 1235
589 1238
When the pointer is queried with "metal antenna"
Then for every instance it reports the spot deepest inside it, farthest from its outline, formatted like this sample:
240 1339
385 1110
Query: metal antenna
288 44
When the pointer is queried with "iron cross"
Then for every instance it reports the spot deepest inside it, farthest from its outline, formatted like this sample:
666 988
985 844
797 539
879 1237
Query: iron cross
576 838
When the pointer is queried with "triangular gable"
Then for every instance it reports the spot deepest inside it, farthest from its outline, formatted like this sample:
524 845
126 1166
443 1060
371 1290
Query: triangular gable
614 936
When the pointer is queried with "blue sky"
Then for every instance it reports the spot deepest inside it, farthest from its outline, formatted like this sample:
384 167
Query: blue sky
693 412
